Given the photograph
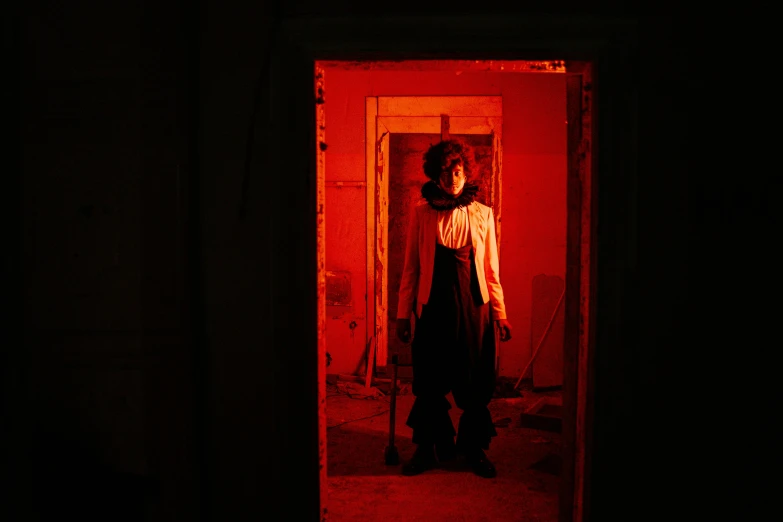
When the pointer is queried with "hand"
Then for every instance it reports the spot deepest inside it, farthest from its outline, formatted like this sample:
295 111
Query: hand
505 329
404 330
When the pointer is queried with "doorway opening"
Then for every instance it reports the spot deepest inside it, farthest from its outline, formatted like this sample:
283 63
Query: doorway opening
529 123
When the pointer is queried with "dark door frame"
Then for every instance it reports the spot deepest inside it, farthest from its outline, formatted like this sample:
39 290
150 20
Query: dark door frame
294 102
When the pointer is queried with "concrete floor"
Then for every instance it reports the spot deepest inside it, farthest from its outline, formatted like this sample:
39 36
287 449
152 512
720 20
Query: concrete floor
362 487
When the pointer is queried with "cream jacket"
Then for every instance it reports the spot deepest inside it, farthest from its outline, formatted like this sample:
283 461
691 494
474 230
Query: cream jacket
420 259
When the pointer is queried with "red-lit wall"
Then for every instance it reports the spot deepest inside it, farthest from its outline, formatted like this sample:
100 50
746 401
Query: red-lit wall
534 191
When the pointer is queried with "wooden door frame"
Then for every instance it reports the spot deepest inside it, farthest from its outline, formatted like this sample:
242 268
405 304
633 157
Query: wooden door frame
303 42
579 331
404 114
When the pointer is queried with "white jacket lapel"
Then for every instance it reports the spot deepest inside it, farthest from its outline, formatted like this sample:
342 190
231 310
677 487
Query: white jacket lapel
476 221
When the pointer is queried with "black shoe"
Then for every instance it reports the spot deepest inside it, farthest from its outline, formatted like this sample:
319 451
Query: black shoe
422 460
446 450
480 464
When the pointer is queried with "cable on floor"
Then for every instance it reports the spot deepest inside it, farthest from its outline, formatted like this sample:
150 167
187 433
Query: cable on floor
355 420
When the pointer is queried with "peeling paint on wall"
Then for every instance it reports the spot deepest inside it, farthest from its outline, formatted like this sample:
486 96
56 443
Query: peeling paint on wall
338 288
543 66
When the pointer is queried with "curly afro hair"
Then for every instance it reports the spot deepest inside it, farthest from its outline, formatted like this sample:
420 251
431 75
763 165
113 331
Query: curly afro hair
445 155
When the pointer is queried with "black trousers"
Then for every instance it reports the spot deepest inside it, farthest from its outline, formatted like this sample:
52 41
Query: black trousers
453 351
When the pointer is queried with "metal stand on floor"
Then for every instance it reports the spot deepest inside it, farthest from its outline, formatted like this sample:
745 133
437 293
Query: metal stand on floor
391 456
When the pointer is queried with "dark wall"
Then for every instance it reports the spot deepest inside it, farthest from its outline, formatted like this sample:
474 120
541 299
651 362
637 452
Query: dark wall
103 363
141 373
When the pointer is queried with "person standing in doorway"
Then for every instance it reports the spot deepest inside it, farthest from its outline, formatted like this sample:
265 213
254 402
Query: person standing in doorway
450 281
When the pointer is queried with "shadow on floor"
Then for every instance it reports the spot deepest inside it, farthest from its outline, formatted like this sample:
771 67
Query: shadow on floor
362 487
362 452
552 464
